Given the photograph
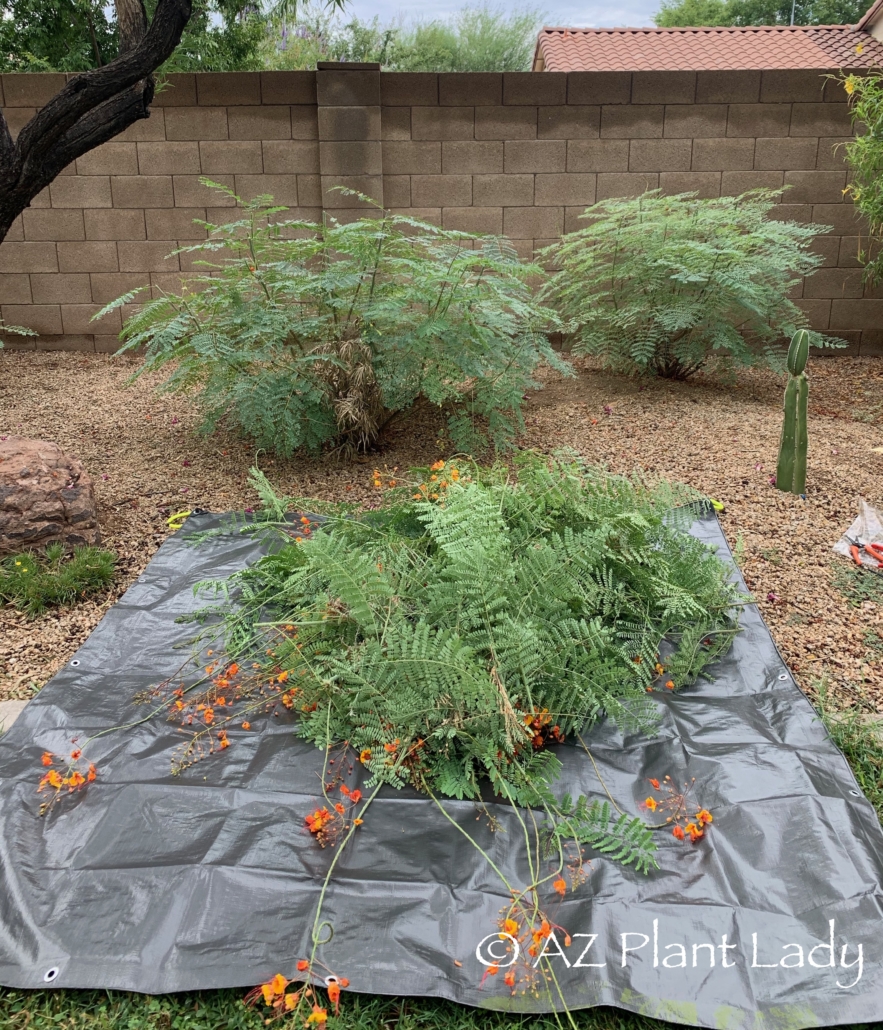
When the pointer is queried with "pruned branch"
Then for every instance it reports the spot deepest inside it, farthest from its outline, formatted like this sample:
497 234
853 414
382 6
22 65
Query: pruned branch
92 108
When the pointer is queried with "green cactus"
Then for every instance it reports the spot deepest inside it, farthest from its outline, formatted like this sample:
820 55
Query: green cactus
791 469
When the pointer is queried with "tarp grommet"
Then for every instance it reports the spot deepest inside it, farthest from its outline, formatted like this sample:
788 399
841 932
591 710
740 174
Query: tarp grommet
75 662
50 975
783 675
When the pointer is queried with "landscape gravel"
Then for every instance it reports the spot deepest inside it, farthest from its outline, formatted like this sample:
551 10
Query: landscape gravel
719 435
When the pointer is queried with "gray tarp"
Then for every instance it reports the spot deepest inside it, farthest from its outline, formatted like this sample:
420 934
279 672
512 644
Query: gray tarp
155 883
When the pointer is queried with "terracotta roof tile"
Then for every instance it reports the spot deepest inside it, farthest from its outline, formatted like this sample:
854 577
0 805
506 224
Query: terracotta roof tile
707 49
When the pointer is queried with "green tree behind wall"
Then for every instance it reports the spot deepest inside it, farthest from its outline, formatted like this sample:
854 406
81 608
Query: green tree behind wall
759 12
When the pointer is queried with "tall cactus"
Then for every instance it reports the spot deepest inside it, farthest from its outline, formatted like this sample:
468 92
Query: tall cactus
791 470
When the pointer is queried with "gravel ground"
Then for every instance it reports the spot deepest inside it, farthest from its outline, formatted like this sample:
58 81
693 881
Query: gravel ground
147 462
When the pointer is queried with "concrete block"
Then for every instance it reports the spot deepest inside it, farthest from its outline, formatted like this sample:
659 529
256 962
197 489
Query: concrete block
190 192
815 187
349 123
409 89
61 288
716 155
53 225
17 118
695 120
506 123
666 87
196 123
290 156
601 155
42 318
175 224
147 256
599 87
472 156
784 154
81 191
168 158
84 344
660 155
843 219
855 314
228 89
502 190
829 249
31 89
16 231
474 219
89 257
350 88
759 120
786 212
142 191
282 188
304 123
735 183
850 251
109 159
728 87
412 158
528 88
705 184
397 191
442 123
15 288
820 120
831 154
817 311
9 712
153 127
461 89
108 344
395 123
569 121
786 85
834 283
641 121
625 184
178 90
231 157
271 121
309 192
28 257
535 156
369 185
531 223
573 188
441 190
351 158
115 224
76 319
288 87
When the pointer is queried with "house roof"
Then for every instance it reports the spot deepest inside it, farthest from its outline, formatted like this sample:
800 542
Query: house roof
733 48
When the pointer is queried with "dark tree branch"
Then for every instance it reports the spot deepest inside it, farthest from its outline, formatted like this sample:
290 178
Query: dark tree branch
91 109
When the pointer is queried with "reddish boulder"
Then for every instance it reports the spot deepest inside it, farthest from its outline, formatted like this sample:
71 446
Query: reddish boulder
45 496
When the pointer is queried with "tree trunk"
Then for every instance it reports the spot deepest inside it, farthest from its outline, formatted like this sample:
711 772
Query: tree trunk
91 109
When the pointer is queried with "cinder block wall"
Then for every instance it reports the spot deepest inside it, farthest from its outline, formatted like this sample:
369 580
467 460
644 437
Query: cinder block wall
519 153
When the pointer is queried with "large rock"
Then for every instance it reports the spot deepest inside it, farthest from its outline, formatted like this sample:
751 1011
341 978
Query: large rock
45 496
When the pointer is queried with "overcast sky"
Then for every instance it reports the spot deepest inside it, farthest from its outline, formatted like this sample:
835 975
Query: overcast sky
562 12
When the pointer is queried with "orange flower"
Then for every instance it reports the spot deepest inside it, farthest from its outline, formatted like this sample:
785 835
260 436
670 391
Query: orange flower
358 822
76 754
437 466
339 808
283 676
654 784
511 927
389 747
267 992
704 816
334 995
651 804
509 978
695 832
560 886
318 1015
678 832
455 475
356 797
46 758
669 684
290 1000
278 984
344 983
492 970
234 668
209 715
53 778
303 965
224 743
365 755
305 521
90 776
246 725
75 780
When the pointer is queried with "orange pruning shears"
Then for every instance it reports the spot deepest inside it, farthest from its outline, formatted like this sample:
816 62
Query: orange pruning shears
874 550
